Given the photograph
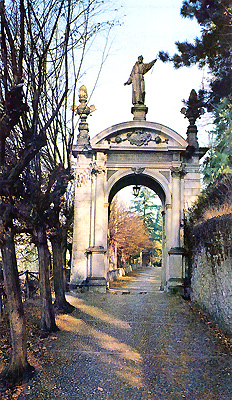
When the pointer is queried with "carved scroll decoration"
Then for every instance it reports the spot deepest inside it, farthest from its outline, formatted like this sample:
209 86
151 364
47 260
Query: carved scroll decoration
137 138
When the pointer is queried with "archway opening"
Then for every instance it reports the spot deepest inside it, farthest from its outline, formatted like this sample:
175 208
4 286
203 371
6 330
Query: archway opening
135 235
138 179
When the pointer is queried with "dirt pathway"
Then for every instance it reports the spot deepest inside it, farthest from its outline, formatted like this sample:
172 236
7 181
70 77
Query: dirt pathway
133 343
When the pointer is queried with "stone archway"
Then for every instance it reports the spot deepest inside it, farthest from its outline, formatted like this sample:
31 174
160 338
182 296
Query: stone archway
149 152
141 152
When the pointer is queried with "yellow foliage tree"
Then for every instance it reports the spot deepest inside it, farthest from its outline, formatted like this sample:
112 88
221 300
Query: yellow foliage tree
127 234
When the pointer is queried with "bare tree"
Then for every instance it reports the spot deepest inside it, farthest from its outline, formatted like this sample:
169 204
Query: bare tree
56 156
24 56
13 108
36 38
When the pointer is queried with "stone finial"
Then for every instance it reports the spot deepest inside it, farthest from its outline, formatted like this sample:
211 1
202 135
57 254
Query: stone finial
83 110
193 111
83 95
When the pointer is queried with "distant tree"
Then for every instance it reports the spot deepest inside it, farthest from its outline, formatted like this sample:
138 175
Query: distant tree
213 49
27 256
157 237
145 204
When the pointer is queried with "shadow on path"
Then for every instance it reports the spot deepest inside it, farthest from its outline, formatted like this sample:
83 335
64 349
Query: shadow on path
144 344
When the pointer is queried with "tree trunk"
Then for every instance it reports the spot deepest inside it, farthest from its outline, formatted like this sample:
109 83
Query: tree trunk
47 323
19 368
58 240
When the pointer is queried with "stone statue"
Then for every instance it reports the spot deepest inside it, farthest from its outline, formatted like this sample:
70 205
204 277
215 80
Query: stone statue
137 80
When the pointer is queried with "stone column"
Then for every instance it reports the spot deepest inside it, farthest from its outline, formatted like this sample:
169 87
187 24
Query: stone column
168 241
82 220
96 252
176 252
192 182
175 206
84 203
166 244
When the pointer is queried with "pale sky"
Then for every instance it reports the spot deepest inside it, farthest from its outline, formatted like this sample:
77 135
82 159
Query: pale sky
148 26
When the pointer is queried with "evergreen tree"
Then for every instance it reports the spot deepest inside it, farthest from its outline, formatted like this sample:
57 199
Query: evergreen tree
219 159
213 49
145 204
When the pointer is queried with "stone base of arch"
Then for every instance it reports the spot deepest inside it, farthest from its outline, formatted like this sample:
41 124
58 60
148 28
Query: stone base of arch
95 285
176 281
96 261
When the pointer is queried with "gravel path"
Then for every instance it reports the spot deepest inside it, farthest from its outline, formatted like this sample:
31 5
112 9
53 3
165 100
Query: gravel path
133 343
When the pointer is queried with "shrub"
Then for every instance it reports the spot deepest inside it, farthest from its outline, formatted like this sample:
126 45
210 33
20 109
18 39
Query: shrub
215 200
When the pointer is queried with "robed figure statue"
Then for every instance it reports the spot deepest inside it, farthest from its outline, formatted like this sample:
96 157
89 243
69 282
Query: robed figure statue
137 80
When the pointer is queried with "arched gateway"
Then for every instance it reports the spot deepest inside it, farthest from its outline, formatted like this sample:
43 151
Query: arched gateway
135 152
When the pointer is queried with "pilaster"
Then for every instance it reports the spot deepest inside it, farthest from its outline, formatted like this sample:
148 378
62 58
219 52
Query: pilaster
176 251
82 213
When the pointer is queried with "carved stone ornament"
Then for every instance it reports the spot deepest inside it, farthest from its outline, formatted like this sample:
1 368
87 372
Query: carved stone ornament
139 138
118 139
159 140
96 169
82 178
137 170
179 171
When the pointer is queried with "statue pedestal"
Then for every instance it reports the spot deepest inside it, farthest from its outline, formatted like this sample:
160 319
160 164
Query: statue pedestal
139 111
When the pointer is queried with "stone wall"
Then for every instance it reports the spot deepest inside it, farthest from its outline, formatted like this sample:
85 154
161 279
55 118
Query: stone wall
211 274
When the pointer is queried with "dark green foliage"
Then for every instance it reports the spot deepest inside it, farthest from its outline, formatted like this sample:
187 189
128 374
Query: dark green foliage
151 213
146 206
212 49
219 159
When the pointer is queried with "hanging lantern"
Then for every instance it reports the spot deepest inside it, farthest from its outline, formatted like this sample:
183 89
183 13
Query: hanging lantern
136 190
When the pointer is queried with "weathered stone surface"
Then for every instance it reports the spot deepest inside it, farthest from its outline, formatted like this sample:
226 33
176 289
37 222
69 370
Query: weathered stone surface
211 285
130 153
